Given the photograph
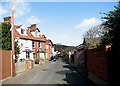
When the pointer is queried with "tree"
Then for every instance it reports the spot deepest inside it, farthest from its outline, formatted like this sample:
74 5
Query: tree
112 21
17 50
93 35
97 31
5 39
106 39
5 36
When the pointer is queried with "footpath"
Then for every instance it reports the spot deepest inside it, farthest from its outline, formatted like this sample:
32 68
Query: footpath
24 77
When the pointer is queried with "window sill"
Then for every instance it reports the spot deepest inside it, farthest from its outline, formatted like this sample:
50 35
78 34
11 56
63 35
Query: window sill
33 48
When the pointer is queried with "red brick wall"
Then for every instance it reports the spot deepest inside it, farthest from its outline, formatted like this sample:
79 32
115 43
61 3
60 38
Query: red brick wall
34 49
48 52
80 59
97 62
43 45
5 64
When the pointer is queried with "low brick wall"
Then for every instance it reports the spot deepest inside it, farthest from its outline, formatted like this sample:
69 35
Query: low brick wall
97 63
5 64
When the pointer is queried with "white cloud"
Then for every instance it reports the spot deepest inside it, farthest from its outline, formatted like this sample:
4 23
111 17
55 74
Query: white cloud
20 8
88 23
2 11
32 20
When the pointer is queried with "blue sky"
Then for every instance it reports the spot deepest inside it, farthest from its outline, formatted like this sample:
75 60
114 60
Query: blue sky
62 22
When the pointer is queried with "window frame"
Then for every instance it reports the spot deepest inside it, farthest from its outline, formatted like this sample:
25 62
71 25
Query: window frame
39 44
22 31
33 44
46 46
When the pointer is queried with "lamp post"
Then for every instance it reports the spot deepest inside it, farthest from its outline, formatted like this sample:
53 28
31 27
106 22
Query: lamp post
12 37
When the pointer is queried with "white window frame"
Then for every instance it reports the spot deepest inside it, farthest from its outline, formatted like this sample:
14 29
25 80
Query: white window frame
46 46
40 45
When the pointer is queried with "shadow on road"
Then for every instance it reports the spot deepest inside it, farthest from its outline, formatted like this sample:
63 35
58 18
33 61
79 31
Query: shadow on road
64 61
73 77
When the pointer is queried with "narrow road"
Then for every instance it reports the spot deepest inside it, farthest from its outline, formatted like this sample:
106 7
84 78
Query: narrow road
59 72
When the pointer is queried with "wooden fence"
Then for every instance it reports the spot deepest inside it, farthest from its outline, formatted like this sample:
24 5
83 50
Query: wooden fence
5 64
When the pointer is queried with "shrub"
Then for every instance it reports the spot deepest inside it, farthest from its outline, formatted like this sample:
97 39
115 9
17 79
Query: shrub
36 61
23 59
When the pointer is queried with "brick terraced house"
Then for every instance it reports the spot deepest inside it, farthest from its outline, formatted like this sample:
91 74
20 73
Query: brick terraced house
33 44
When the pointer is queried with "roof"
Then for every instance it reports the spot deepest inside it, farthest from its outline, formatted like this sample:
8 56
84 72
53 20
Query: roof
79 47
31 30
15 26
30 36
49 41
27 50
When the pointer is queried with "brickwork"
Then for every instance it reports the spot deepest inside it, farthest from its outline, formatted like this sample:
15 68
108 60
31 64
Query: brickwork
43 45
97 62
48 52
81 59
48 49
7 19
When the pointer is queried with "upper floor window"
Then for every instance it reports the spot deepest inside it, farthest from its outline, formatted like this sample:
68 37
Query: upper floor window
36 33
46 46
22 31
33 44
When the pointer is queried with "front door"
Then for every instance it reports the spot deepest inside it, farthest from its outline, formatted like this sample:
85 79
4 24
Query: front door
42 55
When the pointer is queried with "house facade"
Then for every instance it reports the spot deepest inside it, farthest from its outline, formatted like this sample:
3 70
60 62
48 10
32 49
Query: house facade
33 44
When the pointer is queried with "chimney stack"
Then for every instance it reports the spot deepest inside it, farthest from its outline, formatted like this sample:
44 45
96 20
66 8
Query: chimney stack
7 19
43 36
33 26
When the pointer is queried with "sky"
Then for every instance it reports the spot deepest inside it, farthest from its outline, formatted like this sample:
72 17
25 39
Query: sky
62 22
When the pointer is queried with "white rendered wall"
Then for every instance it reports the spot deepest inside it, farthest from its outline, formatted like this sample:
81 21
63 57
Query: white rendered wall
24 44
36 33
53 51
33 33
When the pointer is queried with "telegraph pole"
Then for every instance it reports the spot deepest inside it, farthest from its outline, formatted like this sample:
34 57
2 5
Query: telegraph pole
12 37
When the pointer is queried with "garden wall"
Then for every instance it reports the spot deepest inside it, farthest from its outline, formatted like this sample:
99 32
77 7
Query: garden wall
81 59
22 66
97 64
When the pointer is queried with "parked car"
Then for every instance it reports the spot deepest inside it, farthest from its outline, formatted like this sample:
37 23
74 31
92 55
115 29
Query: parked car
53 58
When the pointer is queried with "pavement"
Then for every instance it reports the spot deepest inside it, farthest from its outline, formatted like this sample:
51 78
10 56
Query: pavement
50 73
